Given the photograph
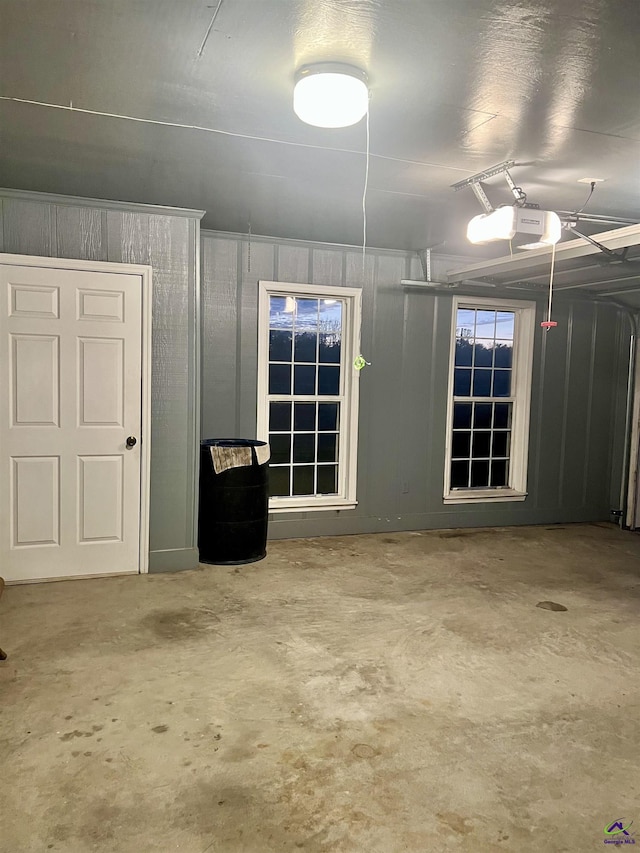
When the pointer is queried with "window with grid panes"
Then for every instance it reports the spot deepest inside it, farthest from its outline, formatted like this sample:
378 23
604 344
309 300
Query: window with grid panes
307 393
490 386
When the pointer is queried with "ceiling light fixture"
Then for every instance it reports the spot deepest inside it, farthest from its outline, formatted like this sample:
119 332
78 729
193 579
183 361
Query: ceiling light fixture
330 94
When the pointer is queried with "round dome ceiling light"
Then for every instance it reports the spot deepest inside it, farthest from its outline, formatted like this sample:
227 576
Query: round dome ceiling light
330 94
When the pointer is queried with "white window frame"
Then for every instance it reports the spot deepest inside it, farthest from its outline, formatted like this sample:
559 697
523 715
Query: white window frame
524 333
348 397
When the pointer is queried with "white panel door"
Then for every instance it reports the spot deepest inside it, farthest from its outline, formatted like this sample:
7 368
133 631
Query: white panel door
70 397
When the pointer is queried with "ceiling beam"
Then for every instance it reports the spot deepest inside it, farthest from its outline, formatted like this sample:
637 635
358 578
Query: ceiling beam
602 281
619 238
571 273
619 292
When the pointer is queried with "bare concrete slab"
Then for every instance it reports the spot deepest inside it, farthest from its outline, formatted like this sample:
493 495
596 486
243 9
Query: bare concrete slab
385 693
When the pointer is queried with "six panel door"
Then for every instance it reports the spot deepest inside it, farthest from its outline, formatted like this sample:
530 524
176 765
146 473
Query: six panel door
70 396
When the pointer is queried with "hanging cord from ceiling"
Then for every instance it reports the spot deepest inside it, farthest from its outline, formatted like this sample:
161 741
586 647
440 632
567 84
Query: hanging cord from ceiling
549 323
364 191
360 361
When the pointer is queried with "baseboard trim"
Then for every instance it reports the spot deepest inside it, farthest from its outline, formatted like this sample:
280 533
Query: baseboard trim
174 560
485 515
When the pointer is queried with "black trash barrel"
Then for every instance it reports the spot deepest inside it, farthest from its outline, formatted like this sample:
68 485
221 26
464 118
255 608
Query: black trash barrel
234 500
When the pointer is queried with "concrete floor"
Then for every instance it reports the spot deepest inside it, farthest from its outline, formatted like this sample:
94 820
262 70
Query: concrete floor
383 693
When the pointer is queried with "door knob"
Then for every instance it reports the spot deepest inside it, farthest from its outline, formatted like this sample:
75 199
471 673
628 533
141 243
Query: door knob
132 441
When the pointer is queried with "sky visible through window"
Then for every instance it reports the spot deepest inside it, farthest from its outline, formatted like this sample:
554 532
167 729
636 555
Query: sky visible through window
282 310
474 323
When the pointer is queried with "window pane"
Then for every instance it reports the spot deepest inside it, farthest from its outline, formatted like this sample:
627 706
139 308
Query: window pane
461 382
483 353
279 481
482 416
481 443
459 475
279 345
304 416
279 416
330 331
485 324
504 354
327 416
464 352
307 314
462 415
505 325
465 322
499 472
327 479
279 379
280 448
502 417
500 443
281 312
329 352
328 447
304 380
461 445
304 447
305 346
480 473
502 383
482 383
303 480
329 380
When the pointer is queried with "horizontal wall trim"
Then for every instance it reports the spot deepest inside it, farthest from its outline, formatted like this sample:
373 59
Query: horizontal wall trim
339 525
291 241
174 560
103 204
70 263
72 578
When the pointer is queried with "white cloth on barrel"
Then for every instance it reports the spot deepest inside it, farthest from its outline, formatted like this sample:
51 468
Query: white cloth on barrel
224 458
263 453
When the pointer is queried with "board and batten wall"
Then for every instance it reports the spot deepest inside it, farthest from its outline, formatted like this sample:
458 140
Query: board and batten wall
578 394
169 240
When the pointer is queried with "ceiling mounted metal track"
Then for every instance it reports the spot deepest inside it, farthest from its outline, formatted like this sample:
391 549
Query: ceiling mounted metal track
500 169
620 238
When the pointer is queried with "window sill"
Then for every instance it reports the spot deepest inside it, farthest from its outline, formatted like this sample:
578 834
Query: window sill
335 505
484 496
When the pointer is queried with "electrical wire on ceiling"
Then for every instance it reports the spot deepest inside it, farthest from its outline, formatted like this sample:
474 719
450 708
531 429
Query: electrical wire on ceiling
593 186
209 28
216 130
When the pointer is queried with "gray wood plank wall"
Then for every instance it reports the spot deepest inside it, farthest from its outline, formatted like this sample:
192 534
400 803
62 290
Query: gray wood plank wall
578 399
35 224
